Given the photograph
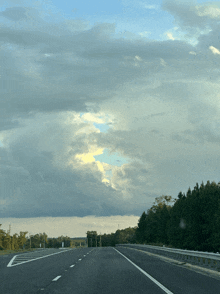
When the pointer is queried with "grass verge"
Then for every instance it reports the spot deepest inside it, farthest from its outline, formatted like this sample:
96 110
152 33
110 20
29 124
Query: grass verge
5 252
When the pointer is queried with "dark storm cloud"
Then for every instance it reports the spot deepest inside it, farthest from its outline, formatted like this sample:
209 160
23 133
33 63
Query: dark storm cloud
162 98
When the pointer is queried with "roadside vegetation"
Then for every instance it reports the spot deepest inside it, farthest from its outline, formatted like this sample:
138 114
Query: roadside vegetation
192 222
5 252
22 243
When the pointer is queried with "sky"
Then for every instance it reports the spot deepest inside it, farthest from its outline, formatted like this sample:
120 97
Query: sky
104 106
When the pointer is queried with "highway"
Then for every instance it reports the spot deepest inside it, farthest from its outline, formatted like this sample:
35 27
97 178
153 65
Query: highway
100 270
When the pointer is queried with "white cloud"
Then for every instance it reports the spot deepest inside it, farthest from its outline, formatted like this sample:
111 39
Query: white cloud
89 157
145 34
138 58
163 62
209 11
139 3
192 53
191 17
91 117
214 50
170 36
151 7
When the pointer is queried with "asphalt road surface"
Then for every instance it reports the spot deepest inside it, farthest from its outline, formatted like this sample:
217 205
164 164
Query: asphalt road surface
104 270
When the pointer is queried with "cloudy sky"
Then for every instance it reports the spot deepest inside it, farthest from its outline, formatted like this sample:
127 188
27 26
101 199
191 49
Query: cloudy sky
104 106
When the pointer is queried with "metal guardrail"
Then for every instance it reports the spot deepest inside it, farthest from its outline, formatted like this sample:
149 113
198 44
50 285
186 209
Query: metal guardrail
206 259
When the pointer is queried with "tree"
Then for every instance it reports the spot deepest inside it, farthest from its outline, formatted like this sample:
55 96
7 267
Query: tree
6 241
156 221
14 242
108 240
37 240
176 228
195 219
141 228
1 238
92 238
21 239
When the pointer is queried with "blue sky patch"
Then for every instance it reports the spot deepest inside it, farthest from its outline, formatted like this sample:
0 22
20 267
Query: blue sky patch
113 159
102 127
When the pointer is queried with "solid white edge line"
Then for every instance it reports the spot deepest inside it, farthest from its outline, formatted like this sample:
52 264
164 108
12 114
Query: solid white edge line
146 274
11 261
57 278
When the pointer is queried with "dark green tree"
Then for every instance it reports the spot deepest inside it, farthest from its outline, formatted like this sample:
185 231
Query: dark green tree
141 228
92 238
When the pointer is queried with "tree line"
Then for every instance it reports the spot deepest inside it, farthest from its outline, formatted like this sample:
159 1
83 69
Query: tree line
191 221
41 240
8 242
119 237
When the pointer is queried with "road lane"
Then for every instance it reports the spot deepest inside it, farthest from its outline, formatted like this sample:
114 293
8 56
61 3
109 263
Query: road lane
176 278
104 271
32 276
146 274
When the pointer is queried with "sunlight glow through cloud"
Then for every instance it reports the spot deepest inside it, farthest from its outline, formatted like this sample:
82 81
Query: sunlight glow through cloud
89 157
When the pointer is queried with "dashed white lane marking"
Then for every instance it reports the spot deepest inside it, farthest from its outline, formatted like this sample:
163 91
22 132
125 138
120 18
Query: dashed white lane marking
80 259
57 278
146 274
72 265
